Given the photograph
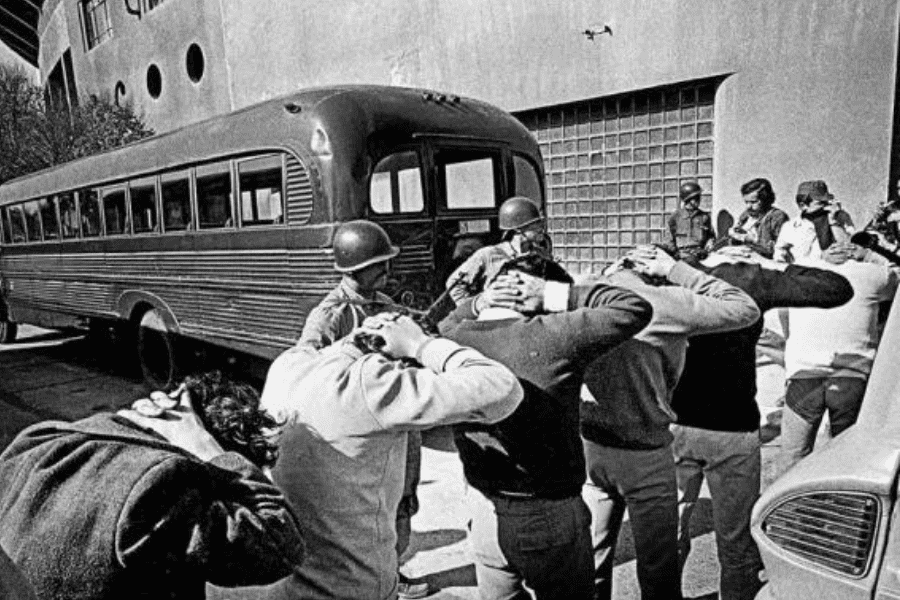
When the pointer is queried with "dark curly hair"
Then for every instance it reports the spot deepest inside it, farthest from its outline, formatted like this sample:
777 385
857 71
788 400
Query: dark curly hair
230 411
763 187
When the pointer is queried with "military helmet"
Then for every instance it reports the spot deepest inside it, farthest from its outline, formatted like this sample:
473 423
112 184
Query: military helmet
517 212
359 244
690 189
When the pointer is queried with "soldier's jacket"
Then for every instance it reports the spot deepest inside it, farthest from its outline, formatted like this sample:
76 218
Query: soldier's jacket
339 313
469 278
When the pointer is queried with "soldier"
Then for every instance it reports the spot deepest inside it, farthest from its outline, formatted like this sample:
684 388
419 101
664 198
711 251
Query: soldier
524 230
362 253
690 228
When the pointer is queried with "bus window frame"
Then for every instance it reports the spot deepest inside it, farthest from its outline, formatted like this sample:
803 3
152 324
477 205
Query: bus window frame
425 169
40 223
140 181
236 195
77 203
52 199
511 176
188 172
230 160
101 214
106 187
501 175
18 206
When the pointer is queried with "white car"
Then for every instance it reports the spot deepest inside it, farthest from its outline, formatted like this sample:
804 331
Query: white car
829 529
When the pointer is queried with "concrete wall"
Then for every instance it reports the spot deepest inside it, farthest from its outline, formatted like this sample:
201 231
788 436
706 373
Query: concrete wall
808 92
161 37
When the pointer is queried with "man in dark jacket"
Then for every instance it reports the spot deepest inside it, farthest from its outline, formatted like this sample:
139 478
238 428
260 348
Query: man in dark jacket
529 524
151 502
717 430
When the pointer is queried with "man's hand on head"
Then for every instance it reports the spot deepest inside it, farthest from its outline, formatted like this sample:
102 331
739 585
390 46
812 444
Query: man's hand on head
529 293
403 338
651 261
501 292
173 417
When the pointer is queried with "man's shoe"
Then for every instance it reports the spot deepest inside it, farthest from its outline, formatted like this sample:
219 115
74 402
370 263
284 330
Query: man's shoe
408 590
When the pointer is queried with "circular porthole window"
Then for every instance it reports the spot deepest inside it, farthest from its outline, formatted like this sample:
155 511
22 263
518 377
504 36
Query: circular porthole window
154 81
195 63
119 93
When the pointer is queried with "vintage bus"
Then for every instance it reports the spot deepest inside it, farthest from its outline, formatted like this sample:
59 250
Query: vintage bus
220 232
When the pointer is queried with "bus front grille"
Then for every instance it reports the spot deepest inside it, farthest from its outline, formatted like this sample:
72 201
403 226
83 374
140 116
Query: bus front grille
833 529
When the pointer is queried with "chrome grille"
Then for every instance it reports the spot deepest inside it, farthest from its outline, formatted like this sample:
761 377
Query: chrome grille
833 529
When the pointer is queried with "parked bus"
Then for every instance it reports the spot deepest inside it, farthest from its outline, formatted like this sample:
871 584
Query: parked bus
220 232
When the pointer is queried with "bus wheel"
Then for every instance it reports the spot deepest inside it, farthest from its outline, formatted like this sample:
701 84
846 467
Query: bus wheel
156 351
8 331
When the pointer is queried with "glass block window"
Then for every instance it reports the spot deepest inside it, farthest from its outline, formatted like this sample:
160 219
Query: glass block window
614 165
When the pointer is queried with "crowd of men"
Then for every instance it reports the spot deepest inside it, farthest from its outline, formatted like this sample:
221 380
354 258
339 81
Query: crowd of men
570 402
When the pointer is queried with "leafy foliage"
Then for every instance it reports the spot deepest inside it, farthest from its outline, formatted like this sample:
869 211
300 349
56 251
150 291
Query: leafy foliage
34 135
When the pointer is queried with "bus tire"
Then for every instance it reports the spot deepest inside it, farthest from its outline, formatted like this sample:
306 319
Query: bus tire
8 331
157 351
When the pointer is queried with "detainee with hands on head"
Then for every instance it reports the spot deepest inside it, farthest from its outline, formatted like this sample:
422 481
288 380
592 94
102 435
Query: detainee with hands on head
626 415
529 527
348 408
157 500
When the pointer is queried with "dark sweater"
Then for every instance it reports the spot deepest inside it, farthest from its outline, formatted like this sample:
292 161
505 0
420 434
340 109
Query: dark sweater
537 451
101 509
717 389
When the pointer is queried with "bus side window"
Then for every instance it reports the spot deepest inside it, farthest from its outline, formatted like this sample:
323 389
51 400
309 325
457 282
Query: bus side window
528 182
48 218
32 220
90 212
114 211
68 215
176 201
260 181
16 223
396 184
214 195
4 224
143 205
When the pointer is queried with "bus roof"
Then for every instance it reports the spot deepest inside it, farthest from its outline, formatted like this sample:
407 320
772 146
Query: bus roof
312 123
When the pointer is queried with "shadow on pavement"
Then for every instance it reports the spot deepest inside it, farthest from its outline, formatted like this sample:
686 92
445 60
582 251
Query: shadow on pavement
424 541
463 576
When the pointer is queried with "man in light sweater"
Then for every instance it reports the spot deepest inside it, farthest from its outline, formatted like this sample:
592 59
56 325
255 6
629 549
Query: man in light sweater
348 410
627 413
829 353
529 525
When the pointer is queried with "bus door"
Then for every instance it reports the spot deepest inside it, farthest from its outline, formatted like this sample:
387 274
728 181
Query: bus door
470 181
438 202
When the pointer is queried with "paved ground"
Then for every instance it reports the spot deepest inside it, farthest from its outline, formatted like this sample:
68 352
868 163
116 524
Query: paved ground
50 375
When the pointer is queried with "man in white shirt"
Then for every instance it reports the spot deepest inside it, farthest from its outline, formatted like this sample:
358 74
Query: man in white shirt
821 222
829 353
